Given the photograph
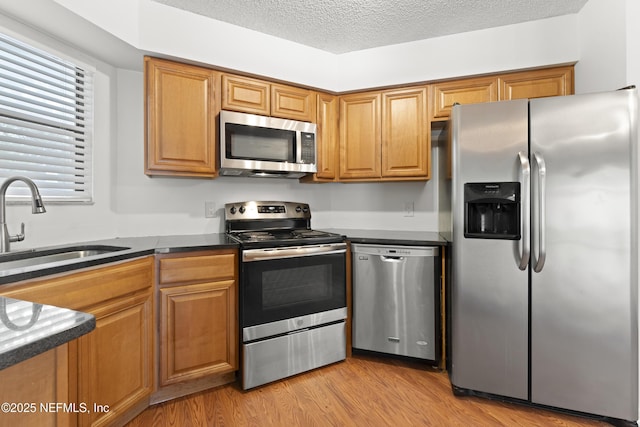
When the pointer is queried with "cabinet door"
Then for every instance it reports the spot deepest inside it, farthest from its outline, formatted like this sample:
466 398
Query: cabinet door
467 91
41 380
295 103
537 83
181 111
197 331
327 137
245 95
115 361
360 136
405 133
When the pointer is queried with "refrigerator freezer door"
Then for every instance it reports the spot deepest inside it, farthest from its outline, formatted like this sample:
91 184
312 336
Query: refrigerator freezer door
584 351
489 293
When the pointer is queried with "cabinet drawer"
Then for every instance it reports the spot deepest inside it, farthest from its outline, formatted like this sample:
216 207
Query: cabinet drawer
197 268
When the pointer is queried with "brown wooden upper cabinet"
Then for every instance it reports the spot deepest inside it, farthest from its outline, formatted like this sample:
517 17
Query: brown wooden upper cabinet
181 111
327 134
380 135
556 81
536 84
256 96
360 136
384 135
465 91
406 144
290 102
245 95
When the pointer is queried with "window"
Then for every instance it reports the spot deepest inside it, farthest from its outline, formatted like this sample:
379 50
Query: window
46 123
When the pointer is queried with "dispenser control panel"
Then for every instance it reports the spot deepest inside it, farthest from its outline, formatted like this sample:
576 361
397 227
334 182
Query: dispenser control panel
492 210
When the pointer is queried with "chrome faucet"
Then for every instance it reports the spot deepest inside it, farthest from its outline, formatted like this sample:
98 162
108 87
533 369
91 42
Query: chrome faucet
37 207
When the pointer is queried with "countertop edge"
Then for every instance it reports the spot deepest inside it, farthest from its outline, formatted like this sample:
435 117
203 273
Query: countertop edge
136 247
392 237
144 246
46 343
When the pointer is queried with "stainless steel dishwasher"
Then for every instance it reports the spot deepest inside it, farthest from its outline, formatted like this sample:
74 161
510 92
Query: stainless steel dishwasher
395 300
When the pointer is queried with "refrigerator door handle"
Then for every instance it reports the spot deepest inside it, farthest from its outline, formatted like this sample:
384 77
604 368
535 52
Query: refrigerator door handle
540 226
525 172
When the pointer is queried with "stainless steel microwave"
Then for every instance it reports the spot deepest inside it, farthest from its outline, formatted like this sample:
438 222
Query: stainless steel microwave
260 146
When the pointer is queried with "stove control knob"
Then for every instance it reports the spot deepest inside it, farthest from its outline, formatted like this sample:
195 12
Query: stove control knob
298 209
241 210
232 210
305 209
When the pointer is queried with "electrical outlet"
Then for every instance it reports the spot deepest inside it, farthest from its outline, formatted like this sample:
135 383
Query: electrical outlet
209 209
408 208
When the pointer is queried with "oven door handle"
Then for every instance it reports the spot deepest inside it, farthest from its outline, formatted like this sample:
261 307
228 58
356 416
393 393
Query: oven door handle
291 252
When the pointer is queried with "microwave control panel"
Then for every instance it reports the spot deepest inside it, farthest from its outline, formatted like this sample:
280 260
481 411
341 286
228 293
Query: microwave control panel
308 147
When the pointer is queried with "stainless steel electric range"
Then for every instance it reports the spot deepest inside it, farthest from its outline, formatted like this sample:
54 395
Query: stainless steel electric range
292 290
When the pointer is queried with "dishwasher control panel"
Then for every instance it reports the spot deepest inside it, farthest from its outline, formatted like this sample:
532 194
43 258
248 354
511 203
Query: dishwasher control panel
363 250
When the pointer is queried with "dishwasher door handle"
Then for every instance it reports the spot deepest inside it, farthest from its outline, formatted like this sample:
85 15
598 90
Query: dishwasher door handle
392 258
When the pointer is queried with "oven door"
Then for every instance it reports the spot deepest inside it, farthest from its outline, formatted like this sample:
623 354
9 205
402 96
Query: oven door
284 289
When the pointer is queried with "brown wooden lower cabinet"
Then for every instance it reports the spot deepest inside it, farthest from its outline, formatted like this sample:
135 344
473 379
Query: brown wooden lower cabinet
108 371
197 314
194 331
115 369
34 390
109 376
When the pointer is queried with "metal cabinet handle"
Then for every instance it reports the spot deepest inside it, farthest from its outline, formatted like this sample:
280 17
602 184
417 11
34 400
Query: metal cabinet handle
525 172
540 227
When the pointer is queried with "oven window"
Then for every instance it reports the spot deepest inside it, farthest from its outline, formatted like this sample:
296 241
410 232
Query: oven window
292 286
279 289
257 143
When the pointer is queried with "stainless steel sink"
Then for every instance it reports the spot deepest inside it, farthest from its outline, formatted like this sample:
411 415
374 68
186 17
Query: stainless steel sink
37 257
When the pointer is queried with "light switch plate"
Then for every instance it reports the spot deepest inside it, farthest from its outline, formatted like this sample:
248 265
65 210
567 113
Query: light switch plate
209 209
408 208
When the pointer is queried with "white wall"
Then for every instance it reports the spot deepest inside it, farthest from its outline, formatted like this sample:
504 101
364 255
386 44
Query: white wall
155 205
603 46
129 203
70 223
168 31
610 57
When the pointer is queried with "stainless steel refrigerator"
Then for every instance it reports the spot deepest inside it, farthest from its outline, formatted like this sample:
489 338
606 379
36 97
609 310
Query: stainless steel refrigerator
544 291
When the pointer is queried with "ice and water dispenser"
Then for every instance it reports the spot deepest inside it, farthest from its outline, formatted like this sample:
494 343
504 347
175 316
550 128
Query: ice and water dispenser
492 210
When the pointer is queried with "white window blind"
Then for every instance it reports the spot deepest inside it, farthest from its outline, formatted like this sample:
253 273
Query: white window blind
46 123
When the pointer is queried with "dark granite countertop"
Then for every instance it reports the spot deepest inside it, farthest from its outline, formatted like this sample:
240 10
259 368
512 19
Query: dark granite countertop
392 237
132 247
28 329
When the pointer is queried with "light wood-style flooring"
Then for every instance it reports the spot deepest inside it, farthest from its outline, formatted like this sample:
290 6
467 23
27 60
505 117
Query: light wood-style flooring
361 391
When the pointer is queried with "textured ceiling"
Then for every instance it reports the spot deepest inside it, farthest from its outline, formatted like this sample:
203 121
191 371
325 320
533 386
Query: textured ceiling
340 26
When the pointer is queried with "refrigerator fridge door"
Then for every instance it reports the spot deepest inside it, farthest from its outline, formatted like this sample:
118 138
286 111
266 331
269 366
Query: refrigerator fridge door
584 350
489 293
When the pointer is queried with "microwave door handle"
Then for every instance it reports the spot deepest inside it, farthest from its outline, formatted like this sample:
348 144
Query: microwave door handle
298 147
525 172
